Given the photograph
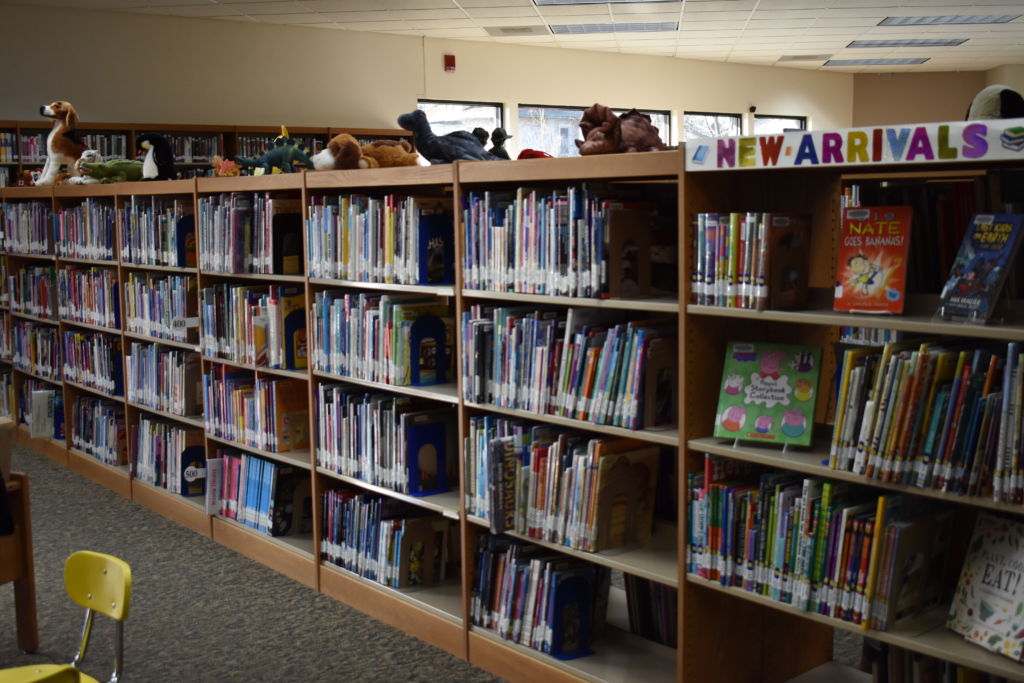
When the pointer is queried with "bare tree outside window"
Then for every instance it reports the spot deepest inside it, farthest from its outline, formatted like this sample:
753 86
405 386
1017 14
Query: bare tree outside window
703 124
555 129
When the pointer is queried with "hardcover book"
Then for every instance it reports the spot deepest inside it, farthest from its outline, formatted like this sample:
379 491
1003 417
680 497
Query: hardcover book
988 606
871 272
768 393
986 256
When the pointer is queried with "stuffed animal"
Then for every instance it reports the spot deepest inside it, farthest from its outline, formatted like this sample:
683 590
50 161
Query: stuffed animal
387 153
443 149
224 168
113 171
498 137
283 154
158 159
996 102
533 154
606 133
63 147
481 135
341 153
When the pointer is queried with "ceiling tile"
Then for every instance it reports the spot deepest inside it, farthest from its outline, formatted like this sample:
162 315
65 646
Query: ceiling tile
340 5
495 3
255 8
300 18
488 12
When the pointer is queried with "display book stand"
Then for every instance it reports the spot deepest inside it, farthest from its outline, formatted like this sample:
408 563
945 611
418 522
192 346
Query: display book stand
780 641
436 614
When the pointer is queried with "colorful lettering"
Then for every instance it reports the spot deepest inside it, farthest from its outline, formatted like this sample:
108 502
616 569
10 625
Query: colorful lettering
876 144
727 152
831 148
975 144
857 146
770 148
945 151
806 151
747 149
897 141
920 145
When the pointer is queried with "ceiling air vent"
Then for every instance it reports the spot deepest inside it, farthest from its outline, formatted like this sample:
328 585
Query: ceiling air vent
517 31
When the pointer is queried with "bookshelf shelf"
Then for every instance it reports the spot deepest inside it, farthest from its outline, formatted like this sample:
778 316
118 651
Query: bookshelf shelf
295 458
654 305
609 166
810 461
186 186
35 318
295 374
666 437
446 503
34 257
293 562
34 375
88 261
188 512
257 277
440 290
54 449
280 181
159 340
90 326
444 599
161 269
191 421
655 560
404 176
93 390
113 477
447 393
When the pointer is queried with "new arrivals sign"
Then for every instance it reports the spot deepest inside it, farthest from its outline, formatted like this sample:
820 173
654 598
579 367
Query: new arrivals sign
957 141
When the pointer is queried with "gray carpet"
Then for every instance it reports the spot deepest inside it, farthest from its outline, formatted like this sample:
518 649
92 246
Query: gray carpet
199 612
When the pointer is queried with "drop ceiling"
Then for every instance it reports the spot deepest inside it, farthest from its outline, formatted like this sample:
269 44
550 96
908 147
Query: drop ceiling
799 34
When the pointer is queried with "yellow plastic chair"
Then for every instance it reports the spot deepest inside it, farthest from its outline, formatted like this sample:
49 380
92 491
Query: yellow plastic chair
99 583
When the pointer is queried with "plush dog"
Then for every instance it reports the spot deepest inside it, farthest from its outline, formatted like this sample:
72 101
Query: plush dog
343 152
63 147
387 153
443 149
158 162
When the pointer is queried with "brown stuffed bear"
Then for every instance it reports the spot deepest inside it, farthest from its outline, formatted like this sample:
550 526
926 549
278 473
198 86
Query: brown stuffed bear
606 133
390 153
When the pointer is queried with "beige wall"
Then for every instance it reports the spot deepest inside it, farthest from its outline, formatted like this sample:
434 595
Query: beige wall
122 67
881 99
1011 75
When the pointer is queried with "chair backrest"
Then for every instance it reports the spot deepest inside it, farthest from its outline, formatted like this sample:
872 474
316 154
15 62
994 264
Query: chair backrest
99 582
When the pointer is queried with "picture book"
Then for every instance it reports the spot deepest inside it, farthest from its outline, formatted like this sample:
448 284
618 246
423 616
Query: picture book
780 278
871 271
768 393
985 258
286 235
428 437
436 249
626 482
988 606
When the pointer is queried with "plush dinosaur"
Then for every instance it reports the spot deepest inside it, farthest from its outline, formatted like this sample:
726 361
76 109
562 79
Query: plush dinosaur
443 149
283 154
114 171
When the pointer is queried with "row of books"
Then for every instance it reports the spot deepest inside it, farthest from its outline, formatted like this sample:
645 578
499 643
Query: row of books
272 498
254 144
109 145
28 227
93 360
892 664
868 336
191 149
6 344
33 148
36 348
89 296
162 306
98 429
169 456
258 325
401 339
652 608
575 363
387 440
33 291
750 260
942 415
823 547
270 414
557 242
41 409
246 232
166 379
158 231
7 400
8 148
86 231
554 485
391 239
543 600
384 540
5 298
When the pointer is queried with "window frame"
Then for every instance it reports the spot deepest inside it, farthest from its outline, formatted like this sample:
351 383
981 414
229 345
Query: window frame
737 117
666 138
779 117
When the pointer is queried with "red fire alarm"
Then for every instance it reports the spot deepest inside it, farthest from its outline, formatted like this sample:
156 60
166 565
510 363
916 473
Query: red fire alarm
449 63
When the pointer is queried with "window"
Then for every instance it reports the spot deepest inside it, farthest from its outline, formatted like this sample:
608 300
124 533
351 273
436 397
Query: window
765 125
709 124
447 116
555 129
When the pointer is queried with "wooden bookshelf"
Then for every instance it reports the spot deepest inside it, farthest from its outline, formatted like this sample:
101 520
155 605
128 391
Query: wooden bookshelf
188 512
113 477
295 563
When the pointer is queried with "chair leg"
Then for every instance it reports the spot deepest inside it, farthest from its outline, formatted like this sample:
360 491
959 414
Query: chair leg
86 629
118 652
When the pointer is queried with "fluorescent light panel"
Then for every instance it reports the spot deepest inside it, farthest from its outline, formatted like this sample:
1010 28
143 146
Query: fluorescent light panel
875 62
541 3
635 27
910 42
949 19
803 58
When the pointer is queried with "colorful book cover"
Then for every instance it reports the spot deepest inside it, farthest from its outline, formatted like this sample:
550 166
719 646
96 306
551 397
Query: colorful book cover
988 606
871 272
986 256
768 393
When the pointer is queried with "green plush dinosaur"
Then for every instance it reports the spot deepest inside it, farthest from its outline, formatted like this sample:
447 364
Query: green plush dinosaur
115 171
282 156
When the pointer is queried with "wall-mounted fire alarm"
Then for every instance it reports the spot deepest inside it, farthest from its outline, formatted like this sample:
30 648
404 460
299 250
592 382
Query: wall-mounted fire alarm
449 63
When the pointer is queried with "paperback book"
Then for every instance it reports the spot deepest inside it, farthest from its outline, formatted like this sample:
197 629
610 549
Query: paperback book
768 393
871 272
985 258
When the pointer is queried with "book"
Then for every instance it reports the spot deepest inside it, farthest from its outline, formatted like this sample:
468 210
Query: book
979 271
286 227
785 245
988 605
768 393
871 271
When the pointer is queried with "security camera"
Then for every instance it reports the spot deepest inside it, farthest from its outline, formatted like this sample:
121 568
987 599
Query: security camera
752 109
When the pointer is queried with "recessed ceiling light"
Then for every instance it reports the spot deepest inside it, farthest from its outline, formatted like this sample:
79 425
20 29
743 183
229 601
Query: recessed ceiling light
593 2
949 19
875 62
910 42
514 31
803 58
634 27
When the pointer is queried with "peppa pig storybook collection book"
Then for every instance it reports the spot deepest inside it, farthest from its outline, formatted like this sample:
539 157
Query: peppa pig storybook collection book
768 393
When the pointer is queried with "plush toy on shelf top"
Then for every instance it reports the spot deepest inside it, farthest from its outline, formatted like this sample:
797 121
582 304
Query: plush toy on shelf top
158 159
604 132
93 170
443 149
343 152
63 148
283 155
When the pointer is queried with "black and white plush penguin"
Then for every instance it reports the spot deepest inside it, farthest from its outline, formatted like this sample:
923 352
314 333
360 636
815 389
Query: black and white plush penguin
158 163
996 102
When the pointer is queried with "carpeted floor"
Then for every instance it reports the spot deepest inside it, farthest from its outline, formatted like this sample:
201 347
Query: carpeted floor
199 612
